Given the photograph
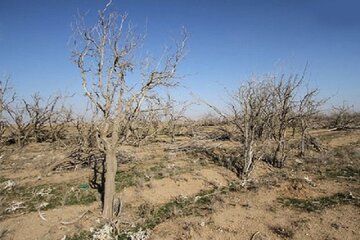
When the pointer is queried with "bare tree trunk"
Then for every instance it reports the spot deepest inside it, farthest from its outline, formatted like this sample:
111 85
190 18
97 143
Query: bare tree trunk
279 156
302 149
36 135
18 141
303 129
293 131
248 157
111 167
107 50
172 129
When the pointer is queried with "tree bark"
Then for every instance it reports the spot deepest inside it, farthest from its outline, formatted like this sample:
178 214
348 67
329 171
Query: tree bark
248 157
111 167
302 150
279 156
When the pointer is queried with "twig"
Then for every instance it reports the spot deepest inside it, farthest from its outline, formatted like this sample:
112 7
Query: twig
76 220
41 215
254 235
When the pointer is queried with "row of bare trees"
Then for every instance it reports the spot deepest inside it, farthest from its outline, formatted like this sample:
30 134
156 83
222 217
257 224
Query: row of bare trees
122 87
51 119
22 119
36 119
264 108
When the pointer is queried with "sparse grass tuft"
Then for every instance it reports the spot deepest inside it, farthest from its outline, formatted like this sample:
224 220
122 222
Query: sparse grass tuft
205 197
84 235
51 196
318 204
126 179
2 179
157 171
179 206
282 232
204 200
348 173
84 198
233 187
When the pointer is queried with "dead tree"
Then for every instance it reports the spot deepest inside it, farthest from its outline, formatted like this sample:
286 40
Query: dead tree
342 116
59 121
105 56
39 113
174 112
13 115
248 108
247 113
148 124
308 108
7 96
20 127
4 90
281 111
85 130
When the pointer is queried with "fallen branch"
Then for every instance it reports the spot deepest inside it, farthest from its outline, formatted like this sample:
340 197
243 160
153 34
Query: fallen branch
254 235
15 206
76 220
42 215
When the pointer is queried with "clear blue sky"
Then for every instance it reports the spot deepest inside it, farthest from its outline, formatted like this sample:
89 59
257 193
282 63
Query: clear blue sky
230 40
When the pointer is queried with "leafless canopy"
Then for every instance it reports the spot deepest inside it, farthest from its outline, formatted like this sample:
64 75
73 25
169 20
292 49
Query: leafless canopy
106 55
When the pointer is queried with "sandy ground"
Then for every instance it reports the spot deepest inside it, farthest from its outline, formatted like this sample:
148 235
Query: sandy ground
253 213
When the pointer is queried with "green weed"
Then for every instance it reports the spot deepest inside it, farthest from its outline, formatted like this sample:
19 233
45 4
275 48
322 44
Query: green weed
125 179
318 204
84 235
348 172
